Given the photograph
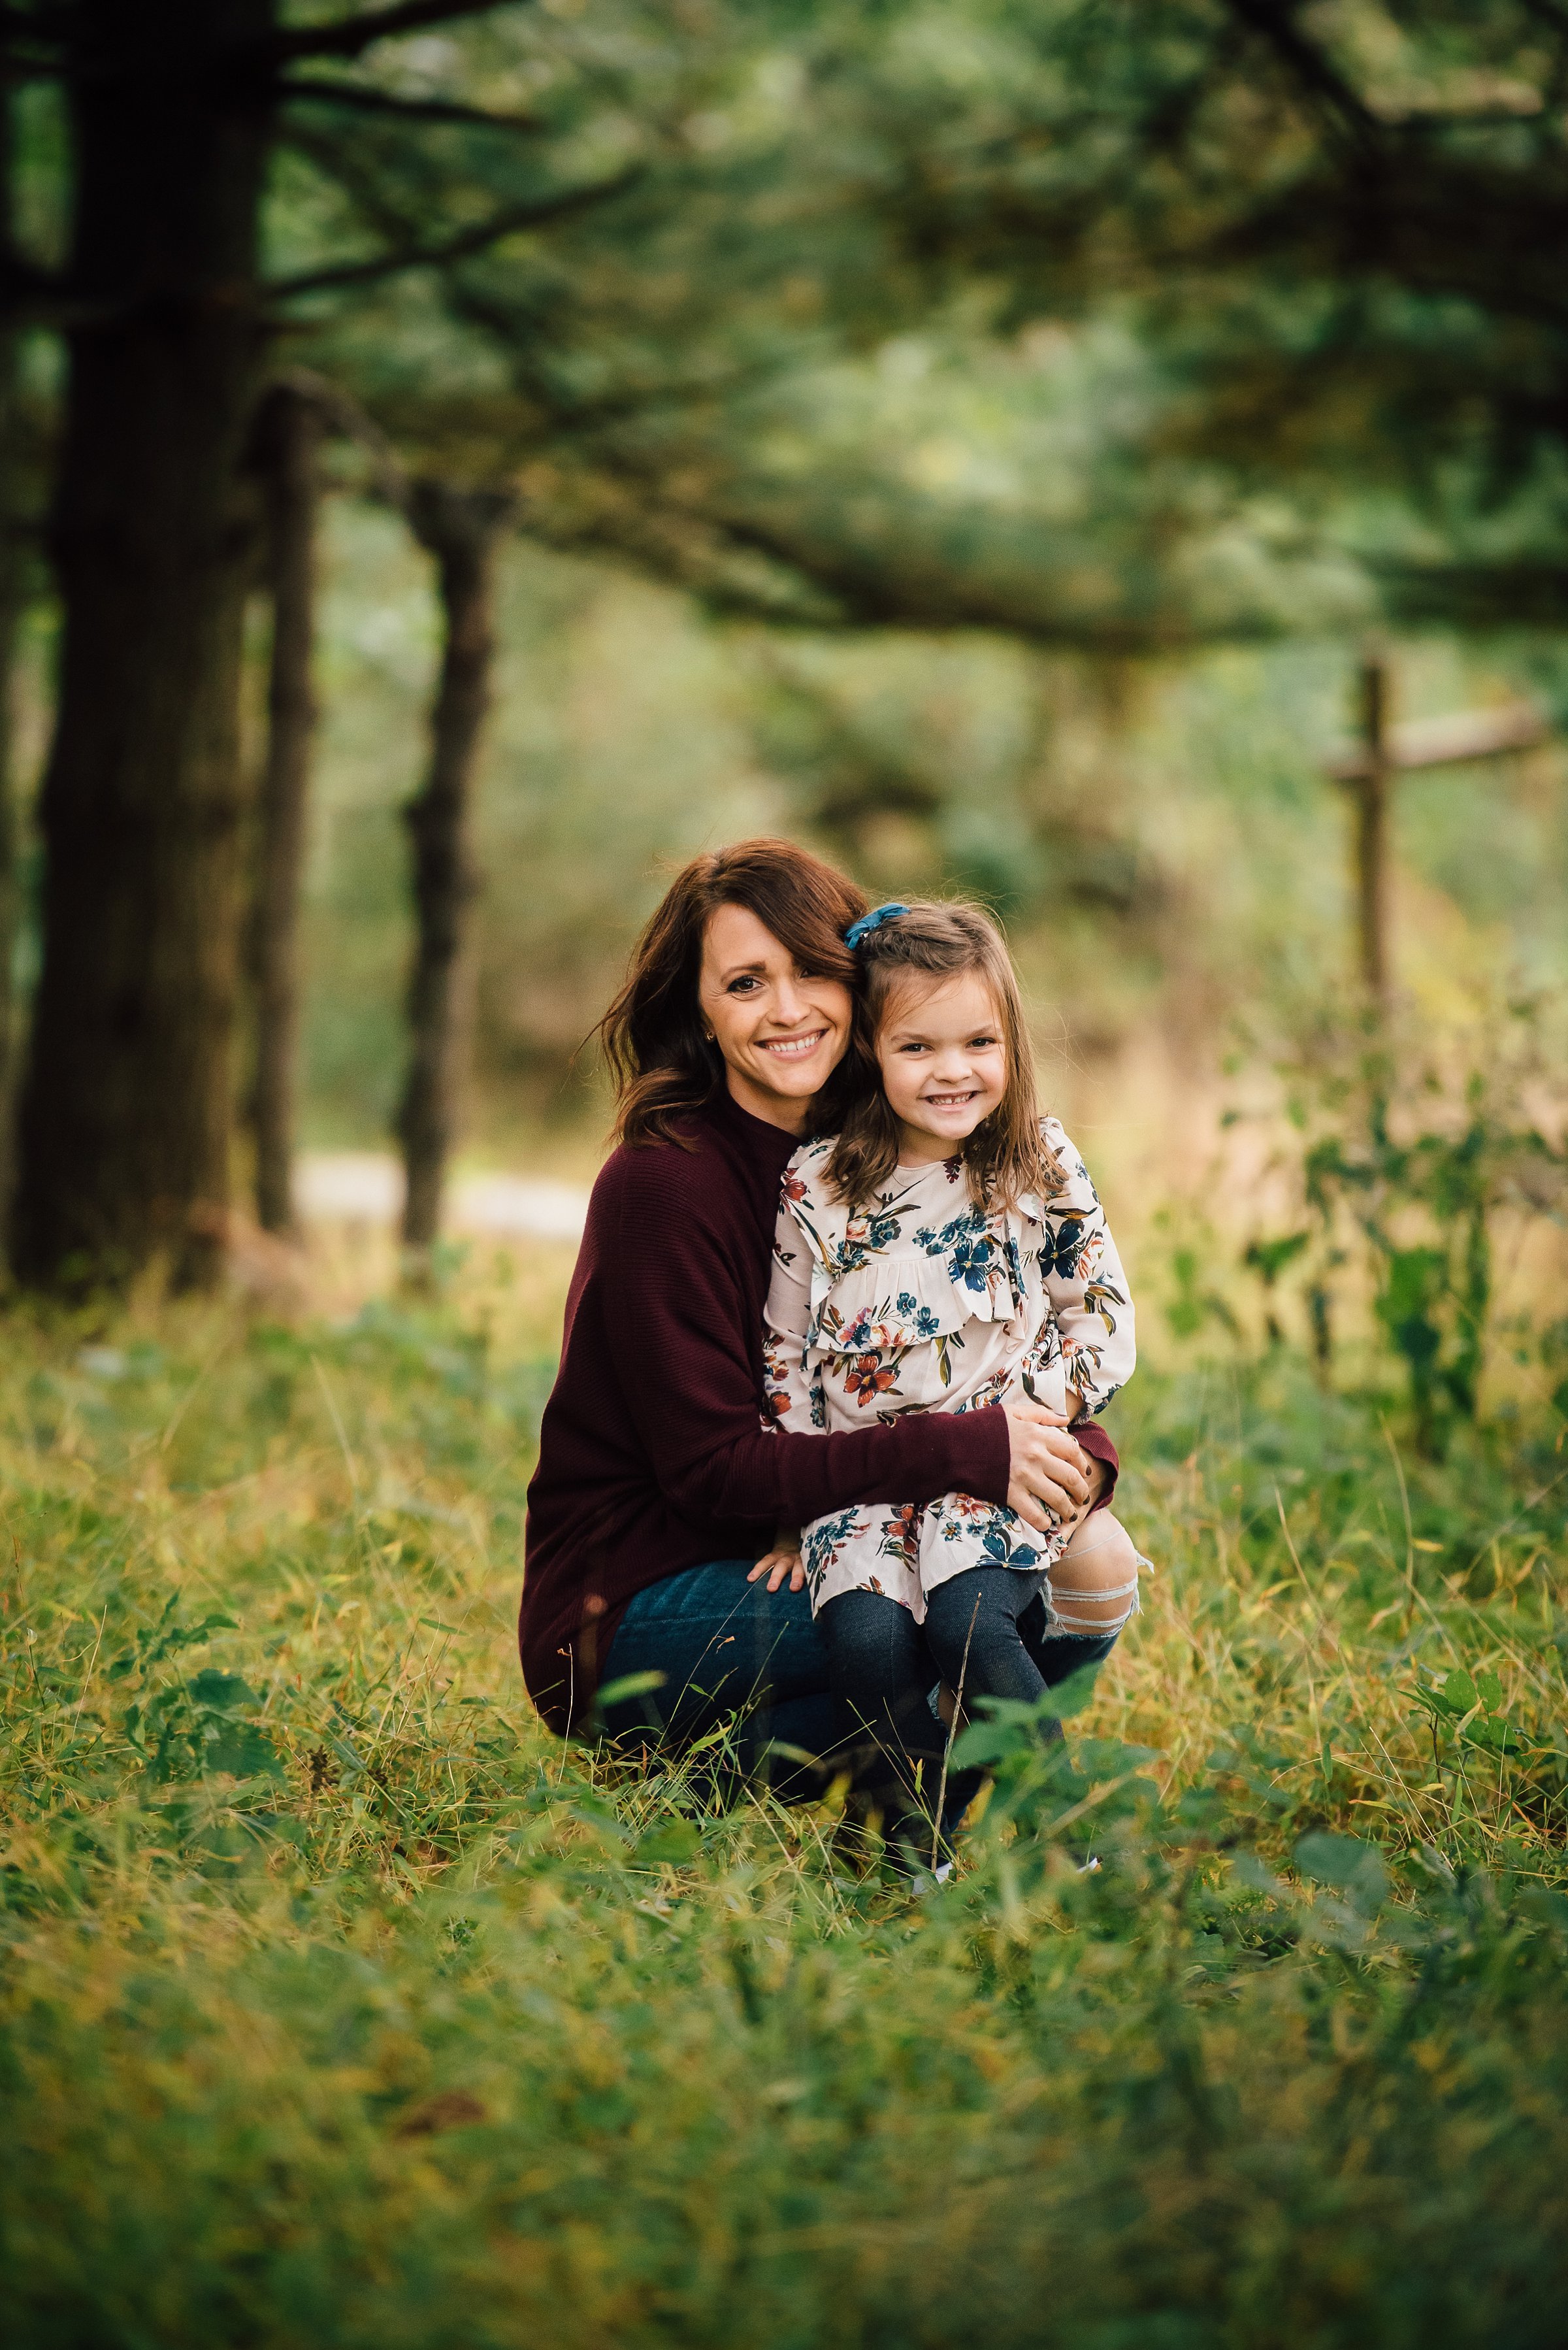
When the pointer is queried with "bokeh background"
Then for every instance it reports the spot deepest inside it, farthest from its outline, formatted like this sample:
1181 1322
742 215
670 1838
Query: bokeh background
1161 838
984 442
994 442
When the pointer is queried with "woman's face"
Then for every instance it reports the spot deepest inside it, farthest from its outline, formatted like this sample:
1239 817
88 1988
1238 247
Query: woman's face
783 1031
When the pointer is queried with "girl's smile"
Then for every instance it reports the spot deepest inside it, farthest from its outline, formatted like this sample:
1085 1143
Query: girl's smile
944 1064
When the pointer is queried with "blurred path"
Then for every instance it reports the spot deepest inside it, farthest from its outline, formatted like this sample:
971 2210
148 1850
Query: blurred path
367 1187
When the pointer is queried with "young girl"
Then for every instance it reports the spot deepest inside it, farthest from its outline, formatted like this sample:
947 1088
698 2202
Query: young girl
945 1248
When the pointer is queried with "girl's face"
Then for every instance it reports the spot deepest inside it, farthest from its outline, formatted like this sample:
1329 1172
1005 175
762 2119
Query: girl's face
943 1063
783 1031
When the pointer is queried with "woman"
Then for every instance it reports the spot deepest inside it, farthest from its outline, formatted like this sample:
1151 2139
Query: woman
659 1482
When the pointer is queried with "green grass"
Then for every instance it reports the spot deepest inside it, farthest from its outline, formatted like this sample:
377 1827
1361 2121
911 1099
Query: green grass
341 2005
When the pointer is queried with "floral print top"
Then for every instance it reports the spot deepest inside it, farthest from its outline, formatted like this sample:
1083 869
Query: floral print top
921 1302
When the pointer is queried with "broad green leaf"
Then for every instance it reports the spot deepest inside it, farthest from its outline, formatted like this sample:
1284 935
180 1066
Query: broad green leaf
223 1692
1458 1694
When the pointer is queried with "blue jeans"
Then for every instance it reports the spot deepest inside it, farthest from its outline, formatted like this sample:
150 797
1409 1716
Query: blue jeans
726 1647
984 1631
987 1629
729 1647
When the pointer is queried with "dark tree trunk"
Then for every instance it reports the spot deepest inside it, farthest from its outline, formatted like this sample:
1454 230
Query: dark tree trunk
12 571
287 457
126 1109
461 528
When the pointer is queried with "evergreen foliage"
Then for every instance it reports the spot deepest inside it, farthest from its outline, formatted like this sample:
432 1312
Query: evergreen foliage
1341 229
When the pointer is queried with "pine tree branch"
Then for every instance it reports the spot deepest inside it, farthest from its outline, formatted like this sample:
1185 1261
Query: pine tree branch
358 99
741 565
462 248
351 36
870 594
1276 22
578 419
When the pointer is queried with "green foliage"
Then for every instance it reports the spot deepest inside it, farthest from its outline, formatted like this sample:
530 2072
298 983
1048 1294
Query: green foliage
1473 1710
1412 1162
339 2003
1323 228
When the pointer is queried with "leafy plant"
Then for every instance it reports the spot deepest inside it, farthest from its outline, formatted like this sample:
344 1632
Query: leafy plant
1472 1711
1406 1165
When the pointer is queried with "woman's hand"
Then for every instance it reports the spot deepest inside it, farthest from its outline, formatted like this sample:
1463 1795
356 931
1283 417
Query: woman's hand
1048 1470
783 1560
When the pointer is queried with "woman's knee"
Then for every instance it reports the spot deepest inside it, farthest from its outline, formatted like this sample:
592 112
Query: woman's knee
1093 1583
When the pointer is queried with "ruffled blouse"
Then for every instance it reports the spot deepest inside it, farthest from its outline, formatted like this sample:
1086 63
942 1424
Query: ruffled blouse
921 1302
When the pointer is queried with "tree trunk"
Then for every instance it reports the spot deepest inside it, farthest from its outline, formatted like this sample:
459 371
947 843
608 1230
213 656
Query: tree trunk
125 1111
12 569
287 456
461 528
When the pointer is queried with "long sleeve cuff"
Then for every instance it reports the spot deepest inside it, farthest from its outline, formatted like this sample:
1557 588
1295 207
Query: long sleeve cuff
1095 1440
981 1450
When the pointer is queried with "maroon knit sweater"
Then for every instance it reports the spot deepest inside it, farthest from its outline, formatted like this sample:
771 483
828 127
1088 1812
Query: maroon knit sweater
653 1454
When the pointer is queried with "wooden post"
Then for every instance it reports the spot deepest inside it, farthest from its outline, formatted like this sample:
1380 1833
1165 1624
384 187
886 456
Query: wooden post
1368 773
1371 789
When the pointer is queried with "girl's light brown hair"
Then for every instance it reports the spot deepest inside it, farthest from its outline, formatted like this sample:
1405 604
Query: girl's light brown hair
924 947
663 1065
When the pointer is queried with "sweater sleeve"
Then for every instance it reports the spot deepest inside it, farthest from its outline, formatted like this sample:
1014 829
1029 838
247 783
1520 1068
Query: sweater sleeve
686 1355
1085 1284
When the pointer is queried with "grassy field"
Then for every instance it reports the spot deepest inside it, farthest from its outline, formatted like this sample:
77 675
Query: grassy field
341 2006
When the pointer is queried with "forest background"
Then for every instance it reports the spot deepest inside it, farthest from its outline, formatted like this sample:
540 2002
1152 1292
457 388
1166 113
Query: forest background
456 460
979 442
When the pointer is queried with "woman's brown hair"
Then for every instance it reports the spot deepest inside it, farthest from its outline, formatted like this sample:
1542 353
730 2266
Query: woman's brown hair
663 1064
929 944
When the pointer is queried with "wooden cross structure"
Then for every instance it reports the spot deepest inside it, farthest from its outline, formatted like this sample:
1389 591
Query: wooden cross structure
1387 750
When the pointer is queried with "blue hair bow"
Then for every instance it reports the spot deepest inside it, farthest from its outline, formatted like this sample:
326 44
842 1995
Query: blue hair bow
872 921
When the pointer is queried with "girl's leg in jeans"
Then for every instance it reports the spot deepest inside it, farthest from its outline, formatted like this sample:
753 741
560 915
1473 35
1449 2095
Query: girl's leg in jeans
973 1630
1056 1656
880 1677
992 1626
1060 1654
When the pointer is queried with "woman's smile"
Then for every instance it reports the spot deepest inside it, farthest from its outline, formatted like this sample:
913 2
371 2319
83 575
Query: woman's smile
793 1048
781 1030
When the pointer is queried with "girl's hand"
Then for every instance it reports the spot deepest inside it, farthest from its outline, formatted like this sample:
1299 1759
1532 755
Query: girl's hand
784 1559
